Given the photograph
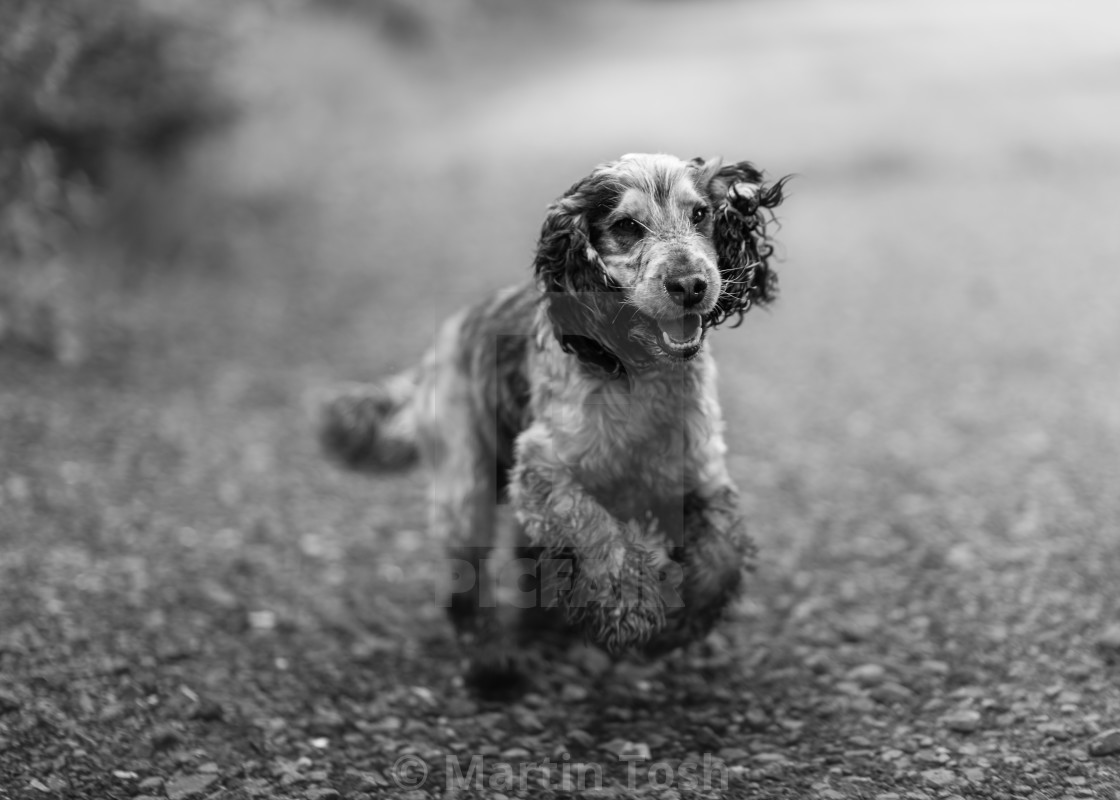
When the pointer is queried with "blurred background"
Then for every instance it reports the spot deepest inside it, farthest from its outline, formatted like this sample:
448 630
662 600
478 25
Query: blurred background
210 208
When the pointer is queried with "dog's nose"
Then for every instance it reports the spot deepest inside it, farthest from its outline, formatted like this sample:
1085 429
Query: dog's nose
686 291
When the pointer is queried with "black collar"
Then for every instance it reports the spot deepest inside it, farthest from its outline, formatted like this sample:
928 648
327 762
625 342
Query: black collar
592 354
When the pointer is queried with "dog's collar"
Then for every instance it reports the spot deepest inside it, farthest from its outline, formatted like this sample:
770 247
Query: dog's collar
592 354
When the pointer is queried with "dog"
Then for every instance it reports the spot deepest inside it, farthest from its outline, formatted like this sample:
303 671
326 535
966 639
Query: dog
587 400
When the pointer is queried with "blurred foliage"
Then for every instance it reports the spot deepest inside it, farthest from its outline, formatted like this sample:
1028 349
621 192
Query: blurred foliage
90 77
84 85
420 22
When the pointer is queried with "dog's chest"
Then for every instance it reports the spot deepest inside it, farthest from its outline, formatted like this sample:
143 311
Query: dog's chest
640 439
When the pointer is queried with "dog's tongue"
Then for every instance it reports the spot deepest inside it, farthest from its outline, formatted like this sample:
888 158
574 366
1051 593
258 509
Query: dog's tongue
682 329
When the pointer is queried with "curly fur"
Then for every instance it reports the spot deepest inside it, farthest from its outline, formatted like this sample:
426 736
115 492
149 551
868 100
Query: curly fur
588 400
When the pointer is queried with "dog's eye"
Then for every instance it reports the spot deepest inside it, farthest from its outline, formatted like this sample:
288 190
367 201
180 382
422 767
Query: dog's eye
628 226
699 214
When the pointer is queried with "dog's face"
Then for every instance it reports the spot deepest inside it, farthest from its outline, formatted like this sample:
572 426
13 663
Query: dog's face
648 253
655 242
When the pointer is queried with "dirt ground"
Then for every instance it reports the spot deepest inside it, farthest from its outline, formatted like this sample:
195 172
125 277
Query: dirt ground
926 427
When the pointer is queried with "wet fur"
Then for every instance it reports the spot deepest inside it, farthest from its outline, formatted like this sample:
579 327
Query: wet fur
557 396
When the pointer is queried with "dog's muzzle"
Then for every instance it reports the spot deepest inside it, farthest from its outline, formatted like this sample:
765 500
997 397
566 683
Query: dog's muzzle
682 337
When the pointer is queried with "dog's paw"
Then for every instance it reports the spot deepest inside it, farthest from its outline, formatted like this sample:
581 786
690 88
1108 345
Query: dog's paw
713 571
618 597
710 580
498 673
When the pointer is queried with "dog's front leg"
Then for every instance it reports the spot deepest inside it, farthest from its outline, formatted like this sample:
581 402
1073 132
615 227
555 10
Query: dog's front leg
602 572
715 553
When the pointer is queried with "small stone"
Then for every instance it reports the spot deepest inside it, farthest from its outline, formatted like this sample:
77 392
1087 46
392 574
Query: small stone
867 674
371 780
941 778
151 784
388 724
1105 744
929 756
209 768
580 737
975 775
189 786
573 693
8 702
757 720
255 787
1057 730
164 737
627 750
1080 672
967 693
208 711
460 707
527 719
964 720
534 700
325 793
591 660
733 754
891 692
263 620
769 772
1109 638
888 796
830 794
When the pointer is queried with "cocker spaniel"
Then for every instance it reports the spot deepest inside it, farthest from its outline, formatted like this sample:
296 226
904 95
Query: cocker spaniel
587 400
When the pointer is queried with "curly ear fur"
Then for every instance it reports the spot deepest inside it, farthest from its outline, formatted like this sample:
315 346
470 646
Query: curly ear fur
586 307
740 201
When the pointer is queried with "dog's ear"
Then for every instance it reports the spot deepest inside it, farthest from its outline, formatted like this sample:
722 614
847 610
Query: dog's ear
741 205
566 259
585 306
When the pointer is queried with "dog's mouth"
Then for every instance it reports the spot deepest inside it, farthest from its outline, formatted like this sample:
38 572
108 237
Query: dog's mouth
682 337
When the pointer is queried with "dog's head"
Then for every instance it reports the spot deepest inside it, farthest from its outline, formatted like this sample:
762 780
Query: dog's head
646 254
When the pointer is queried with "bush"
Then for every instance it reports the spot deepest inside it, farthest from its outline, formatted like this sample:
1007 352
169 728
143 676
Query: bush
91 77
431 23
83 84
